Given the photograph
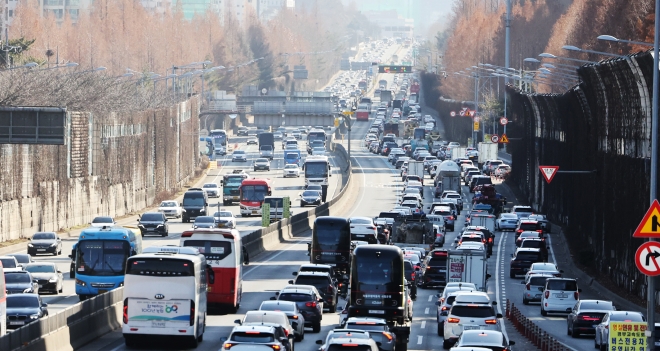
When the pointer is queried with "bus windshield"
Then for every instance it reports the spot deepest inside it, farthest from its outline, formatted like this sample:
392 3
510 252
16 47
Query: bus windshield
102 257
316 136
214 250
254 192
378 271
233 181
219 137
316 169
331 236
193 199
161 267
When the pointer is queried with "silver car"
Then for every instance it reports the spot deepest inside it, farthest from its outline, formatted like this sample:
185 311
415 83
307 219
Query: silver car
377 328
534 285
506 221
289 308
344 334
48 276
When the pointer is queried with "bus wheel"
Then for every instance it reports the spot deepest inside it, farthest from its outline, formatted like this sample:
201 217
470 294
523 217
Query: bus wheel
129 340
193 342
82 297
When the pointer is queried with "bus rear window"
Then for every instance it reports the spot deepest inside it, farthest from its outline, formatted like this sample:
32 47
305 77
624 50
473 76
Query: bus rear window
161 267
211 249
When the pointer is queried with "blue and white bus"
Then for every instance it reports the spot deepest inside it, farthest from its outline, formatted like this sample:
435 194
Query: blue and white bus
99 259
219 137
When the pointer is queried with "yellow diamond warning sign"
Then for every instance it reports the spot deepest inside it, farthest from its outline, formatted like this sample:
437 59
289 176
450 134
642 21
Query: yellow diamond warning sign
649 227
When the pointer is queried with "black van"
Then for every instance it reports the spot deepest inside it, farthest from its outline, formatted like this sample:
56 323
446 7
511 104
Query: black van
195 204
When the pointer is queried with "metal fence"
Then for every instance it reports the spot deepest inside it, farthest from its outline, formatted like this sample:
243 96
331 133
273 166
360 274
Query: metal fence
601 124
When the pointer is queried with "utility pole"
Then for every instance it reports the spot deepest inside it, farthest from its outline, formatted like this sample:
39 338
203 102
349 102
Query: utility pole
506 55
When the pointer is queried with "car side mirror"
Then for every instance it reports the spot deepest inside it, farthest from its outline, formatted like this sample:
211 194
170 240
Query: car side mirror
499 315
180 204
44 304
210 274
273 298
494 303
59 271
320 300
294 273
378 343
522 282
206 204
223 339
237 321
35 280
291 282
437 295
511 342
488 276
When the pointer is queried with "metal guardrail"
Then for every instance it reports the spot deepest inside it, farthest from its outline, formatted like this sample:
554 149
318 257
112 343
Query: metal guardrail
539 337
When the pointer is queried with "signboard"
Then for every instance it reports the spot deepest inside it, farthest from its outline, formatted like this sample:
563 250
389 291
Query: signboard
32 125
627 336
159 311
504 139
649 227
265 215
394 69
476 126
475 119
286 210
452 113
548 172
647 258
456 267
494 138
504 121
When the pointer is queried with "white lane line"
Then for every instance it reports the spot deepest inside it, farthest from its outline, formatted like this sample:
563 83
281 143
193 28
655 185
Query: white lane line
498 287
275 255
552 252
423 325
426 311
430 298
419 339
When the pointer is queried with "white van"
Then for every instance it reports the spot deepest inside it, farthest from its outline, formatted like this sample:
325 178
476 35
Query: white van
165 294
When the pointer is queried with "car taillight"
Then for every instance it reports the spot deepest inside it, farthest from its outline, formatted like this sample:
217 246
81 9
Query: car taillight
519 231
453 320
286 332
491 321
444 308
412 276
539 231
310 304
192 312
295 317
388 336
528 286
228 346
276 347
330 289
125 311
576 295
547 294
490 240
589 318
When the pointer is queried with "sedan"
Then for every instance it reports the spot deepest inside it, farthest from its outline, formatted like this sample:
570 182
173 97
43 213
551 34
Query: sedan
261 164
586 315
170 208
291 171
225 219
204 222
543 220
46 242
47 275
292 312
252 141
211 189
21 283
544 268
153 223
363 229
24 309
239 155
310 197
603 329
103 221
506 221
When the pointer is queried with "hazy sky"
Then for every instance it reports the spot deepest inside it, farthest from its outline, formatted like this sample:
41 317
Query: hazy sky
425 12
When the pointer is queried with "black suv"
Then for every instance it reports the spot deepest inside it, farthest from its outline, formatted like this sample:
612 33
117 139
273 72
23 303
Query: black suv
537 244
323 282
309 302
195 204
434 269
523 259
411 277
153 223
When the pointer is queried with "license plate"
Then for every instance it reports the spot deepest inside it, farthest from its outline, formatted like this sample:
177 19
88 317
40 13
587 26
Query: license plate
377 311
158 324
103 291
235 198
254 212
561 296
41 285
16 323
41 249
209 289
470 327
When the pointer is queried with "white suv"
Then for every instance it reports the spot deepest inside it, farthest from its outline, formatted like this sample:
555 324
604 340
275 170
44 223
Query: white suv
559 295
468 316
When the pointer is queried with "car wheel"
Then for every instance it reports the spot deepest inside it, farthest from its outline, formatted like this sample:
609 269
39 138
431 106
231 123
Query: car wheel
525 301
446 344
317 327
575 333
165 234
333 308
568 329
543 312
441 330
61 289
512 275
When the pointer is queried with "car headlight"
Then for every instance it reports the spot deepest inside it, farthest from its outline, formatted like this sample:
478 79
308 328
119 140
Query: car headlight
80 282
140 225
34 316
53 244
202 211
160 225
52 280
30 245
27 291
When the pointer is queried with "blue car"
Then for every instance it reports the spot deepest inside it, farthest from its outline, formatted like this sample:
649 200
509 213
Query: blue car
506 221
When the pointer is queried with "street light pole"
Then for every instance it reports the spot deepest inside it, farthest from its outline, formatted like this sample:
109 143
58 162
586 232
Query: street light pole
506 56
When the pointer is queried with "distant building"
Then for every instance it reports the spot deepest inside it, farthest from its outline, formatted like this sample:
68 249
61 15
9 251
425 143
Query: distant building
392 24
56 8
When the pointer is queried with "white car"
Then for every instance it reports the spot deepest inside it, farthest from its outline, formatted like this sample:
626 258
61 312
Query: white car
363 229
211 189
291 171
239 155
429 119
469 316
224 219
170 208
319 150
544 268
559 295
429 127
103 221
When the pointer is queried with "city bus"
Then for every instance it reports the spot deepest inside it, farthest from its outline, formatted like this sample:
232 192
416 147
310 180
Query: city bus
165 294
99 259
317 170
224 253
316 134
3 302
252 194
219 137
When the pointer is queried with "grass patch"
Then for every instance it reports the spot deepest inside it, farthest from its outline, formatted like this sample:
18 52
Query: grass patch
13 242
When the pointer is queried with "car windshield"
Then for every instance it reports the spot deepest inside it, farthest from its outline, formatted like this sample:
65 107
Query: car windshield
538 281
310 193
508 216
570 285
529 235
312 280
151 217
168 204
299 297
233 181
528 226
253 337
45 236
8 262
523 209
223 214
40 268
368 326
593 305
210 185
262 160
13 278
617 317
101 220
276 306
544 266
476 311
355 220
19 300
527 256
291 166
352 347
264 318
204 219
239 152
532 243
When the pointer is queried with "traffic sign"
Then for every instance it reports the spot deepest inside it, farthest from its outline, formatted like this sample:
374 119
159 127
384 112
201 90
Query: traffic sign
472 113
504 139
495 138
476 119
347 113
504 121
548 172
476 126
647 258
627 336
649 227
452 113
462 113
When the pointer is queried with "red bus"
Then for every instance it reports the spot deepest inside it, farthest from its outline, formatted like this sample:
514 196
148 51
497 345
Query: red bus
361 115
252 194
224 253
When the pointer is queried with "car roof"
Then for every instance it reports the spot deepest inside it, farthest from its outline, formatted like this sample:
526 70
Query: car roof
316 265
255 327
366 320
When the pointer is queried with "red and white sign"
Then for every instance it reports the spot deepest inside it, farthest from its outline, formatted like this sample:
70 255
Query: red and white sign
647 258
548 172
504 121
494 138
462 113
452 113
472 113
649 227
476 119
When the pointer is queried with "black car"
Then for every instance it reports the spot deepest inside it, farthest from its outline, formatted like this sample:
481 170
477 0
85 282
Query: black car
434 269
585 315
523 259
43 243
323 282
206 222
411 276
47 275
24 309
153 223
537 244
21 283
309 302
310 197
195 203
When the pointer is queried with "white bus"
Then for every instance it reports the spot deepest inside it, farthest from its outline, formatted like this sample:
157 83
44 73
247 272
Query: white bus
165 294
3 303
317 170
224 253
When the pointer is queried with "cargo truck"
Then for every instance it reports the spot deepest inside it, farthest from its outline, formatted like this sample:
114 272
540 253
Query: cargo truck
448 177
487 151
416 168
469 266
266 145
386 96
231 183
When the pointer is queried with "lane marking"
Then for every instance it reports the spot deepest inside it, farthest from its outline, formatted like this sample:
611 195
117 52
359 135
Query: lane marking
552 252
426 311
419 339
423 325
430 298
498 287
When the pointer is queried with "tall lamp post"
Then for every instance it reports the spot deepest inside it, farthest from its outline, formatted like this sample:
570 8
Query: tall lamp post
650 294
